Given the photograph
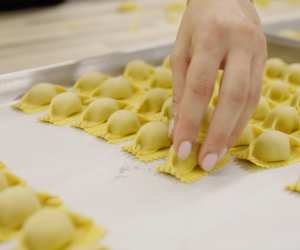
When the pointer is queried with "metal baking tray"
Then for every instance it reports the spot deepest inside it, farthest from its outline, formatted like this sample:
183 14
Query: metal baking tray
235 208
283 47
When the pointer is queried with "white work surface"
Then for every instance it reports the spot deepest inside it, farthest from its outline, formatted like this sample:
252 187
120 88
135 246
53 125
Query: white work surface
235 208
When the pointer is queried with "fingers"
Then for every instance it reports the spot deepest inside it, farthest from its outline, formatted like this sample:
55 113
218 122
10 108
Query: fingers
232 100
179 63
253 98
198 89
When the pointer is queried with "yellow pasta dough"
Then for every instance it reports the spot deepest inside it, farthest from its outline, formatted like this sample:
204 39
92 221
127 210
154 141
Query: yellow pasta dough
283 118
138 71
186 171
97 112
38 97
3 182
275 68
57 228
295 100
16 205
262 110
166 111
117 88
128 6
246 137
151 142
295 187
293 75
63 108
270 149
48 229
151 103
89 82
162 78
167 62
121 126
277 91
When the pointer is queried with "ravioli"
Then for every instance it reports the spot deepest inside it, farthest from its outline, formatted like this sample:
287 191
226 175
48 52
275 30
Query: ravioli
262 110
16 205
90 81
270 149
246 137
97 112
117 88
162 78
48 229
186 171
277 91
121 126
3 182
152 103
151 142
295 100
38 97
166 111
283 118
138 71
293 75
57 228
63 108
275 68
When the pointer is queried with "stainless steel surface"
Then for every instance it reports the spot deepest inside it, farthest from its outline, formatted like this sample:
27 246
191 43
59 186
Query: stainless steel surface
283 47
12 85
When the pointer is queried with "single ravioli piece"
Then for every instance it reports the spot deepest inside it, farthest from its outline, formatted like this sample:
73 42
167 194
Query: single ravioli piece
38 97
162 78
166 111
121 126
247 136
276 91
295 187
118 88
293 75
262 110
186 171
152 102
88 82
138 71
283 118
63 109
57 228
128 6
97 112
16 205
151 142
275 69
270 149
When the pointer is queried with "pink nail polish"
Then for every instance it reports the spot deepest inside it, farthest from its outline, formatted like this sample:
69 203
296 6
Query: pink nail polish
184 150
209 162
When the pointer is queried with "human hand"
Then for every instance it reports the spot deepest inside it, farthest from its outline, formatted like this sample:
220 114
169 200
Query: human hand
216 34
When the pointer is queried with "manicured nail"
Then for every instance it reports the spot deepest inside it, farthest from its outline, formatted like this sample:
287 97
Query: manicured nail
209 162
223 152
171 127
184 150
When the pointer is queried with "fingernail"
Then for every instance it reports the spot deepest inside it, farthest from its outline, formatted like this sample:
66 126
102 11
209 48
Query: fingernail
223 152
184 150
209 162
171 127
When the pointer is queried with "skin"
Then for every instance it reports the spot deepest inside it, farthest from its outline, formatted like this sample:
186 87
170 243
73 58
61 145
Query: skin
216 34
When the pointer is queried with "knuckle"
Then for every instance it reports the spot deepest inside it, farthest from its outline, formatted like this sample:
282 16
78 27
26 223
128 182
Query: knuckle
235 98
202 90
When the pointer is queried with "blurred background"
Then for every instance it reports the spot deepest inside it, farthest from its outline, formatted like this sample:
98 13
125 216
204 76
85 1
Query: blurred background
35 33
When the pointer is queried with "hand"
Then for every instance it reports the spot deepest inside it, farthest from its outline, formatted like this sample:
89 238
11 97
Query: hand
216 34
